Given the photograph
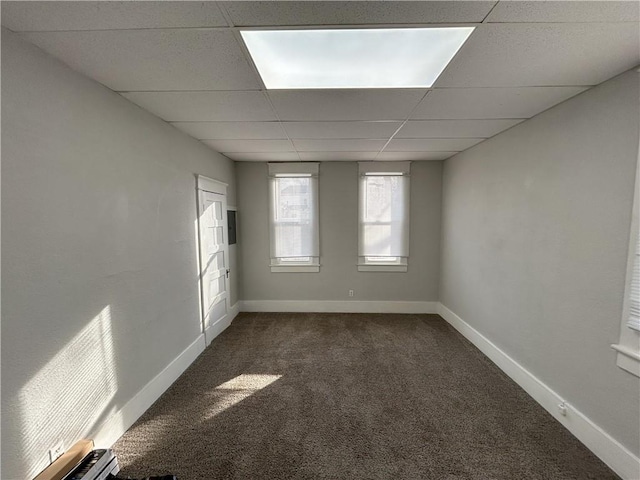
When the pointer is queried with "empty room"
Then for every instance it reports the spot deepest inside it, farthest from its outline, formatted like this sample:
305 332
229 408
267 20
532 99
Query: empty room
320 240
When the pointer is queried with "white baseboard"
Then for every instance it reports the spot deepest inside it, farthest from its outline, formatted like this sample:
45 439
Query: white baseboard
118 423
610 451
235 310
212 331
615 455
346 306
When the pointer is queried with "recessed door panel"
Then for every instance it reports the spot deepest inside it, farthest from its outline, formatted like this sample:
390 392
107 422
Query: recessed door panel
213 258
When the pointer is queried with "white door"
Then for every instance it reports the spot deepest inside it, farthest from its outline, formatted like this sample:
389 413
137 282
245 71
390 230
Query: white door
214 258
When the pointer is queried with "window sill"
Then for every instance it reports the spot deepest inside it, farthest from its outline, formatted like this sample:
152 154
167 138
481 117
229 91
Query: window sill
383 267
295 268
628 359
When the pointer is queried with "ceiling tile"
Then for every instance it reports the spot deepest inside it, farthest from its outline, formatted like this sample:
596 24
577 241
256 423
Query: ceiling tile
483 103
35 16
563 11
232 130
355 13
371 104
454 128
173 59
544 54
341 129
338 156
204 106
263 156
338 145
431 144
248 146
404 156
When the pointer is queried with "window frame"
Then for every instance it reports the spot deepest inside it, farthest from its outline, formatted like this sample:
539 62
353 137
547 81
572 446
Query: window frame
628 347
373 263
308 263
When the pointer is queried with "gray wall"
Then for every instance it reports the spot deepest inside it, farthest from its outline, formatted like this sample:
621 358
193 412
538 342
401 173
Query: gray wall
338 191
535 230
99 279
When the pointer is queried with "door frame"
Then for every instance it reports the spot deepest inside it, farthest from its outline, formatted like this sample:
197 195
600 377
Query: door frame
210 185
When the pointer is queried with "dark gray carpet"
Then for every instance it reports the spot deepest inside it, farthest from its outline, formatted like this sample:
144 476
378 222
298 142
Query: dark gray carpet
349 396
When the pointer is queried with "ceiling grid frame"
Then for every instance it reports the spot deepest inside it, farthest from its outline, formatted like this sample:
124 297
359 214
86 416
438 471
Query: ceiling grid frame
59 34
247 55
403 123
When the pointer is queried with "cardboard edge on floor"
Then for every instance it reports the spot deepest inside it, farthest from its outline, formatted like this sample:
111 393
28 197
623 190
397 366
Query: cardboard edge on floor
65 462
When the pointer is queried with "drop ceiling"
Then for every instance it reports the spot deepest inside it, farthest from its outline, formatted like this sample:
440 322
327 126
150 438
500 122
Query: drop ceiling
186 63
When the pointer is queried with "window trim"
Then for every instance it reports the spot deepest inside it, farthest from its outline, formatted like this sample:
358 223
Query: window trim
295 268
284 266
380 169
628 347
294 170
400 266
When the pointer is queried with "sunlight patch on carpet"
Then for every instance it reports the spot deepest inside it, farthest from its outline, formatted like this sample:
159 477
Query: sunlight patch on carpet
237 389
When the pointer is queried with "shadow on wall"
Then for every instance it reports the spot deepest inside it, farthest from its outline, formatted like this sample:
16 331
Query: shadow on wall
87 328
57 391
67 398
64 390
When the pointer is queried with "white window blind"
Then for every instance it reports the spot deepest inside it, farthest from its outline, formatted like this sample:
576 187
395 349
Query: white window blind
293 215
383 238
634 290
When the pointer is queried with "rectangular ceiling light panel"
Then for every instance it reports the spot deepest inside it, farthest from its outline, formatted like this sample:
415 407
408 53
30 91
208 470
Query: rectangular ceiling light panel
353 58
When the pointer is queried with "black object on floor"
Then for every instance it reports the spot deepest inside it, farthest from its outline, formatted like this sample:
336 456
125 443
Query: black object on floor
163 477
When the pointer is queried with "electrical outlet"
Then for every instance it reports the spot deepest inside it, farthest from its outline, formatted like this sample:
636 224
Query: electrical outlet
56 451
351 293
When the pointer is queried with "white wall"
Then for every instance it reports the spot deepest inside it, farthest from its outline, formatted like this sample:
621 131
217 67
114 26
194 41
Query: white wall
338 197
535 230
99 280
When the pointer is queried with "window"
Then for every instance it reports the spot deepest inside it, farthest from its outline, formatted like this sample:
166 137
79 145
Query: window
634 289
628 347
293 217
383 233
